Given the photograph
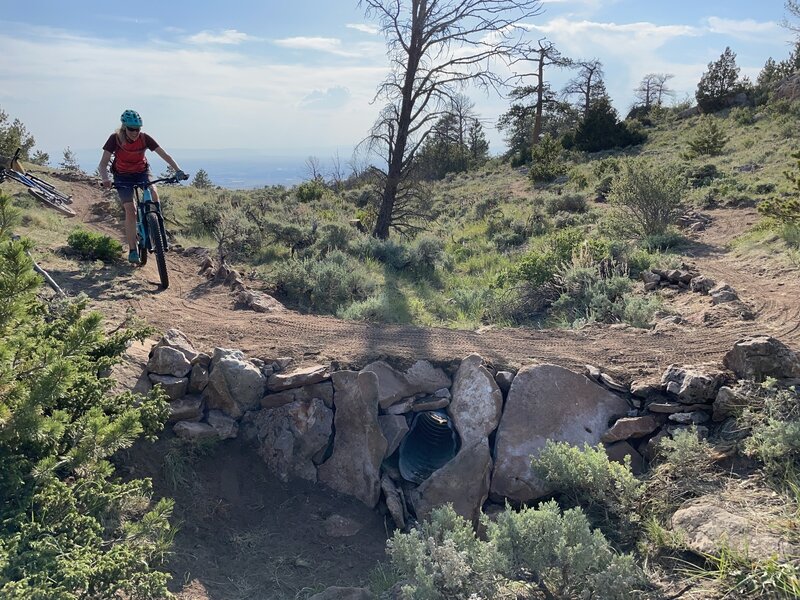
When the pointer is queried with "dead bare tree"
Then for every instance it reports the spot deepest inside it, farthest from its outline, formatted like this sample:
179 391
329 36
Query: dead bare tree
652 89
313 168
435 48
588 83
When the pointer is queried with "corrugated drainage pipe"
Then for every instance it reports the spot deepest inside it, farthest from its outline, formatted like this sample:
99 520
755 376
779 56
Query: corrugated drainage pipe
431 442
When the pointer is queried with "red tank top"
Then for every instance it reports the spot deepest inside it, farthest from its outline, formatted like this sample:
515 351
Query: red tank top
129 156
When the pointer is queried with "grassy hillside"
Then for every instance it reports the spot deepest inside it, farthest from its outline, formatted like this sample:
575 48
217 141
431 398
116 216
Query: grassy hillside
469 263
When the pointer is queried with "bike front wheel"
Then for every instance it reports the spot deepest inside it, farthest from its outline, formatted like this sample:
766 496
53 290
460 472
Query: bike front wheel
154 230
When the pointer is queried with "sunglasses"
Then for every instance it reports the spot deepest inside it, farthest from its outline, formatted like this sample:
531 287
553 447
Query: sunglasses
134 129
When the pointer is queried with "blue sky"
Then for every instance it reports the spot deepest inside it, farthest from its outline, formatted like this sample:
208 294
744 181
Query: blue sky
298 78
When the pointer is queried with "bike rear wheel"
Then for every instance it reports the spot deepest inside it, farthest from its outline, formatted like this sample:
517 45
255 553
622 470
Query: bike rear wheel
51 201
154 231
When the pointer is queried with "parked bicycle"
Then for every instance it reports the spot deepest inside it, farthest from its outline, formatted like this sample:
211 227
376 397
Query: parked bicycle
39 189
150 233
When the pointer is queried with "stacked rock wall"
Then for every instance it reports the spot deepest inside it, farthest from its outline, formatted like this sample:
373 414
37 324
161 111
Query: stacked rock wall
345 428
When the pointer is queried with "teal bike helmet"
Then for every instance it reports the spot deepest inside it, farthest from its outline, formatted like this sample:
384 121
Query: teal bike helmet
130 118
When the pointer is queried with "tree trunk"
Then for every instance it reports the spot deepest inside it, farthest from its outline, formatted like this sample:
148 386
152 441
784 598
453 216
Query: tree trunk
537 121
395 171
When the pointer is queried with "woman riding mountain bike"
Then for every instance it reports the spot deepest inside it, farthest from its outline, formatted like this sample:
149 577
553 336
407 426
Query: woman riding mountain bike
127 146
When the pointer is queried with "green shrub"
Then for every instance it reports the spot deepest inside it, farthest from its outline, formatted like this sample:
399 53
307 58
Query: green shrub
662 241
322 285
703 176
648 197
311 190
382 308
570 203
743 115
607 491
708 138
333 236
389 252
562 555
785 209
443 559
547 163
684 470
773 419
424 254
529 552
94 246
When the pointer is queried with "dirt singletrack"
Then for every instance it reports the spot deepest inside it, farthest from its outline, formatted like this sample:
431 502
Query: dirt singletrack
206 312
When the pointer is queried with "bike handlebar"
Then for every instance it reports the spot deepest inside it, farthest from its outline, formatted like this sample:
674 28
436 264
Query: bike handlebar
147 184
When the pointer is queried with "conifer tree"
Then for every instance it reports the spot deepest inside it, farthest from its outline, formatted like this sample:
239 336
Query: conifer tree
69 529
719 83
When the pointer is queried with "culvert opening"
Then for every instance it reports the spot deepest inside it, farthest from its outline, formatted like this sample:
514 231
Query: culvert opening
431 442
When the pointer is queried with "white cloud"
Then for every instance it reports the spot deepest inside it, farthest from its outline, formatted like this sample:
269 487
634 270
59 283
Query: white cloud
331 98
228 36
747 29
316 44
364 28
239 100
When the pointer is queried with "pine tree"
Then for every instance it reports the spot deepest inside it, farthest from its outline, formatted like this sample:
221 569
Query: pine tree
718 85
202 180
69 162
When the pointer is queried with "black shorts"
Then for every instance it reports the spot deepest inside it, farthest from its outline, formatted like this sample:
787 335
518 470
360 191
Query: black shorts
122 180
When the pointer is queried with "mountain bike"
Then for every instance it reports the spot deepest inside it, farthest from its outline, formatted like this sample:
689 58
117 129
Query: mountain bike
150 233
39 189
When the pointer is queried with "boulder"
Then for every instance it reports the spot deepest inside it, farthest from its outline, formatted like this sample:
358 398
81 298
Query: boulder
172 355
728 404
192 430
762 356
722 294
188 408
394 502
394 428
477 401
288 437
630 427
175 387
708 525
165 360
394 386
619 450
198 379
692 384
702 284
225 427
359 445
504 379
323 391
547 402
298 378
462 482
235 385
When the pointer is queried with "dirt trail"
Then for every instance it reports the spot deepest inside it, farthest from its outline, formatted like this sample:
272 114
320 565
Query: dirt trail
206 313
